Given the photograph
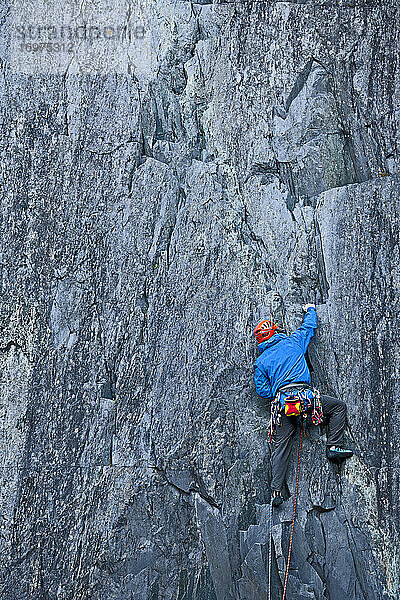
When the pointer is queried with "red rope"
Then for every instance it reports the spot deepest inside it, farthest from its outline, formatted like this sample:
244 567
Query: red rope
294 515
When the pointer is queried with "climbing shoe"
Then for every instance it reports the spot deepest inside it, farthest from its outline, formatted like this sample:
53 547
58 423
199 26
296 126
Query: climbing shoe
337 454
276 498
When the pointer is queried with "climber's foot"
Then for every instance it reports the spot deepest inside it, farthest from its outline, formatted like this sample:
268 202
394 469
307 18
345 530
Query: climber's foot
276 498
337 454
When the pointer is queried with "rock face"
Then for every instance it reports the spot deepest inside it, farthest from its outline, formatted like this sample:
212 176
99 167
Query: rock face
150 216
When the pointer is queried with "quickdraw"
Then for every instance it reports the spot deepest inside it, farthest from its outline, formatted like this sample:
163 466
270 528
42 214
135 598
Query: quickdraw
275 418
317 415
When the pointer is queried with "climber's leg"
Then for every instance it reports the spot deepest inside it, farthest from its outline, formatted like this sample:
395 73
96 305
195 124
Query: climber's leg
335 412
281 450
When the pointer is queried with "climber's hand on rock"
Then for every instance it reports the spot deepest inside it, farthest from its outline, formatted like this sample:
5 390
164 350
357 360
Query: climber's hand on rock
306 306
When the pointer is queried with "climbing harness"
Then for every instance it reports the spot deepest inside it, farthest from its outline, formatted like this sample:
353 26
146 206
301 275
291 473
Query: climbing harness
294 403
292 527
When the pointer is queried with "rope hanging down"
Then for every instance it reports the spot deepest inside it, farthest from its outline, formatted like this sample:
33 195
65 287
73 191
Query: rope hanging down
294 515
292 530
270 551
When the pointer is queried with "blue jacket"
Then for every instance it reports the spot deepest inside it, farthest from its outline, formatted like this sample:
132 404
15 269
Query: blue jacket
282 358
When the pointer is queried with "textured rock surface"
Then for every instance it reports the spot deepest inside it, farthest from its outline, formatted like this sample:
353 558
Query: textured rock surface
148 220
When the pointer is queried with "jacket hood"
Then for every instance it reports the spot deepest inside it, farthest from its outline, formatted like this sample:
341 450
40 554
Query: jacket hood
275 339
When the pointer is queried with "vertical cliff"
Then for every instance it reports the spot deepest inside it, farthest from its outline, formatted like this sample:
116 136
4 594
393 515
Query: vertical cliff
242 161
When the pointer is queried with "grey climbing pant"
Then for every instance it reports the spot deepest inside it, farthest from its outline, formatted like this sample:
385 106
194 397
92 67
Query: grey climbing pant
334 411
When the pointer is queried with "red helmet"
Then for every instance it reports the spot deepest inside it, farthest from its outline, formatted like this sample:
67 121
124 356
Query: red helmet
264 331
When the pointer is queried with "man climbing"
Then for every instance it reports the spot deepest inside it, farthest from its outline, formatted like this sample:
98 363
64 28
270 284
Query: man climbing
283 376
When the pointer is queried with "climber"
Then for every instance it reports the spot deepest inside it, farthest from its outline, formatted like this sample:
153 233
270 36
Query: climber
282 375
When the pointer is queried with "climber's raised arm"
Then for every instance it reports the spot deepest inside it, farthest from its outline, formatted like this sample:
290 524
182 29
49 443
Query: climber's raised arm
305 332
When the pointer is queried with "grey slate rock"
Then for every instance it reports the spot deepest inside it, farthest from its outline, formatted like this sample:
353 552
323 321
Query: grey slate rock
151 214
